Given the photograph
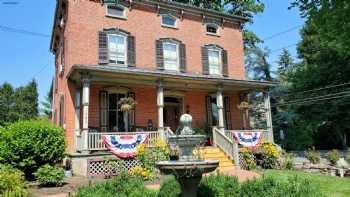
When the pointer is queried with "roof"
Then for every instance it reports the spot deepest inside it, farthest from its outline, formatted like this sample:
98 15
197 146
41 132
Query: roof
137 73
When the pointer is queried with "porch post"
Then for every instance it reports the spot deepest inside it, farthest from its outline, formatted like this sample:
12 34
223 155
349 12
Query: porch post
86 97
219 103
268 115
77 120
160 105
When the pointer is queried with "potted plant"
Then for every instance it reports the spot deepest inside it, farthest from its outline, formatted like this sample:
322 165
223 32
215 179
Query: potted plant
174 153
125 105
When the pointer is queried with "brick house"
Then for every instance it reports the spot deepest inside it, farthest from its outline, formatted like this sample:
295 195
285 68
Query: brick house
172 58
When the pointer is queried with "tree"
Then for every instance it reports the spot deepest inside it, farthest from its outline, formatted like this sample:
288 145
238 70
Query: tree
6 102
284 62
47 104
257 66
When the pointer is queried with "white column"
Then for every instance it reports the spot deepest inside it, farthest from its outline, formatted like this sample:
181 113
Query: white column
220 104
86 98
160 105
77 120
268 115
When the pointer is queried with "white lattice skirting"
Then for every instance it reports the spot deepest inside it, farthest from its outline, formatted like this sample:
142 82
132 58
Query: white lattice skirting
102 167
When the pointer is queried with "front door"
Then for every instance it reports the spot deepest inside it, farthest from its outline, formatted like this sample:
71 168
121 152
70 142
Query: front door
171 114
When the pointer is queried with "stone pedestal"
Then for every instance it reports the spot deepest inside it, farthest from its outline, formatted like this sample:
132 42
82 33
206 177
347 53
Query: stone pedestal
189 187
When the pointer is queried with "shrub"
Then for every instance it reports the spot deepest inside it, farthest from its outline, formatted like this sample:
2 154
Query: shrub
287 161
123 185
333 156
27 145
144 173
170 188
49 175
218 185
248 159
270 155
12 183
312 155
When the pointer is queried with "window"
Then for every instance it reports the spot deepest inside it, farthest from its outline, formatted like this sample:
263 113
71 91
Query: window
214 61
171 56
212 29
116 11
117 49
168 21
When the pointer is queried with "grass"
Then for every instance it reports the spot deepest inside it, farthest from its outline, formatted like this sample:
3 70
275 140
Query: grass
329 185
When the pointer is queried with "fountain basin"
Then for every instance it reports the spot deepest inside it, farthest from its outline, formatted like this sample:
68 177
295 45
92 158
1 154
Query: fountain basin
186 143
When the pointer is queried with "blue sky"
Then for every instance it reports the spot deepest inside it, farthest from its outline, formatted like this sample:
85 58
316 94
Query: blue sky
24 57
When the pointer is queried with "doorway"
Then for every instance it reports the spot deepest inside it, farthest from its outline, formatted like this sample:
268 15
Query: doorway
172 111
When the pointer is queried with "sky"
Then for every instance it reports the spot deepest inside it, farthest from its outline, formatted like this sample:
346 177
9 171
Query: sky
24 56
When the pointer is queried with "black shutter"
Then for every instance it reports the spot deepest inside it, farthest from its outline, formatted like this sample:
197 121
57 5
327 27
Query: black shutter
209 110
205 60
131 114
224 63
182 57
227 110
102 48
131 51
159 55
104 111
61 121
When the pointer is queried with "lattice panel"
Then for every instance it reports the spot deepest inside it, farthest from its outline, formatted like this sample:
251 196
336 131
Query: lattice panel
104 167
241 161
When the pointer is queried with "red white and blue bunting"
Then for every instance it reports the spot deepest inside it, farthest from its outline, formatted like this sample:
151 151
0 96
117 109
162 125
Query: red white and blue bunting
248 139
124 146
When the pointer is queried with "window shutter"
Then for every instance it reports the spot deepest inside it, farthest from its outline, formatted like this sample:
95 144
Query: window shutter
209 110
132 112
102 48
182 57
159 55
224 63
205 60
227 109
61 121
104 111
131 51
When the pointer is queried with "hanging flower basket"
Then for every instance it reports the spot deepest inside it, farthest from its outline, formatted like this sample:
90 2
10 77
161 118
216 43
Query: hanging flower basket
126 104
244 106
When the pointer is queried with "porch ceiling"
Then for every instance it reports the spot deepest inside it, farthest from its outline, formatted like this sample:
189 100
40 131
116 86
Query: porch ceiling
147 77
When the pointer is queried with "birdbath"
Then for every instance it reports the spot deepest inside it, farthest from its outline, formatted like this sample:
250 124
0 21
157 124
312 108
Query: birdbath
187 170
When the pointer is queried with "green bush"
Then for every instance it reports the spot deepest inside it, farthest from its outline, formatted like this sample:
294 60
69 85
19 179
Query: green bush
218 185
312 155
272 187
12 183
123 185
170 188
49 175
248 159
287 161
333 156
27 145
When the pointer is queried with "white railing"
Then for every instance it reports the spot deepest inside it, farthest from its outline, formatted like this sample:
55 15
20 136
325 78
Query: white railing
226 144
95 141
265 133
168 132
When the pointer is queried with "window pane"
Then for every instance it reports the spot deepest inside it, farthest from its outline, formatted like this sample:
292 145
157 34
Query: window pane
115 11
171 56
117 49
214 62
167 20
212 29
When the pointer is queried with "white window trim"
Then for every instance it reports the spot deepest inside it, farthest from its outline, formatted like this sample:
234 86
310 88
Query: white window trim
220 60
126 48
177 54
166 25
117 16
210 33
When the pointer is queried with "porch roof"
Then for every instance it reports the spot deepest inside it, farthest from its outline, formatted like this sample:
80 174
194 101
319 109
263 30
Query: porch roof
142 76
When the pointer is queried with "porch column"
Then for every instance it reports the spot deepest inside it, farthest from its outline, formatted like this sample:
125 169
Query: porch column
86 97
220 105
160 105
268 116
77 120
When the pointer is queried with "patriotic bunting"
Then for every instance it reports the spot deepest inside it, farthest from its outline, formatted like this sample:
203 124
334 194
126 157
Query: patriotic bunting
248 139
124 146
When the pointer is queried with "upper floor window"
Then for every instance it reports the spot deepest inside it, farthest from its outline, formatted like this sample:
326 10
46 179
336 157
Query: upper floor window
117 49
214 61
116 11
168 20
212 29
171 56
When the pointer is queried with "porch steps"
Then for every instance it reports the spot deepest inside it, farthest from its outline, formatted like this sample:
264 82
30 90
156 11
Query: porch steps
215 153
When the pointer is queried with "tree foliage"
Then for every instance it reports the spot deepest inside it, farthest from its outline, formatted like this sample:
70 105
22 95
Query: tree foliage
46 108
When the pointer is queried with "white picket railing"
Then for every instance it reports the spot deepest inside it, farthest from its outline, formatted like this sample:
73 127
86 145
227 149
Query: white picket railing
95 141
226 144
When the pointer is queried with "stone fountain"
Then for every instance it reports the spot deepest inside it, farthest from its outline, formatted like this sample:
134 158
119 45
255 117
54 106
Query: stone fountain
188 170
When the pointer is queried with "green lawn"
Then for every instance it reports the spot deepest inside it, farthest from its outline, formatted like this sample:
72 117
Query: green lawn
331 186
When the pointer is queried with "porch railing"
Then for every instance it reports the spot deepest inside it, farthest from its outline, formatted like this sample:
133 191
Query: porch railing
95 141
226 144
265 133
